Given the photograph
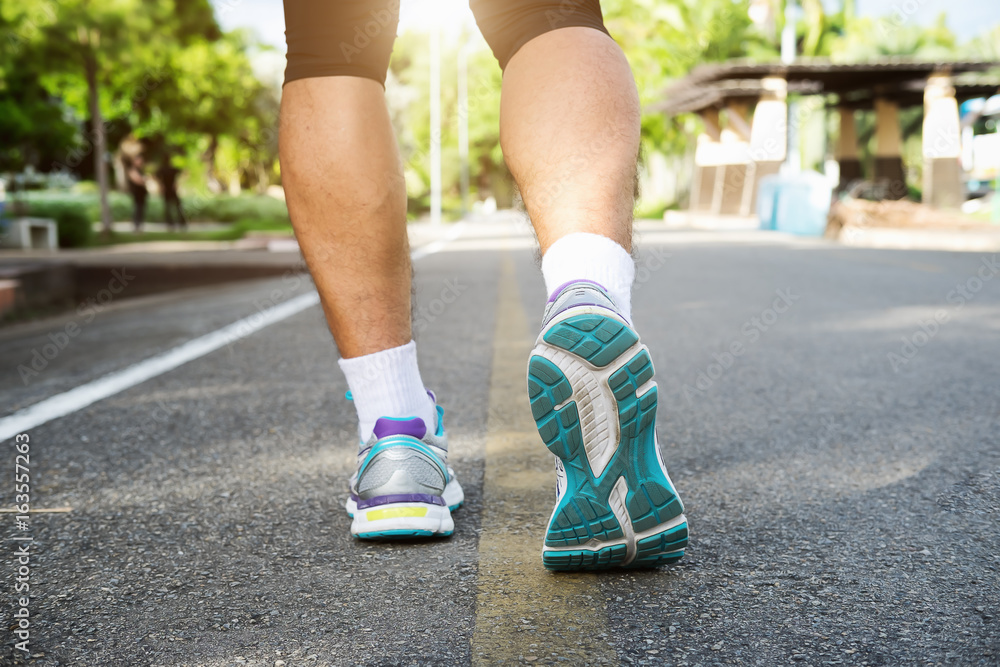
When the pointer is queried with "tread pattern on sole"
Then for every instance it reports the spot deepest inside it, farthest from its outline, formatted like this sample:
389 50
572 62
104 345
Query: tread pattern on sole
585 559
596 338
661 548
583 516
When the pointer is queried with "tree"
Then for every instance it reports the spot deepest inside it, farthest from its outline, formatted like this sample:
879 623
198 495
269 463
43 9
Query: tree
209 97
159 71
893 35
37 129
984 47
102 48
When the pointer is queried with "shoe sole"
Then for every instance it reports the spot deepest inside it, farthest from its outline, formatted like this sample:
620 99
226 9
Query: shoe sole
407 520
402 520
590 383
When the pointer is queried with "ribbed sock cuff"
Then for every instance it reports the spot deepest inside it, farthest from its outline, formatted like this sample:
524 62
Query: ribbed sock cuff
583 256
388 384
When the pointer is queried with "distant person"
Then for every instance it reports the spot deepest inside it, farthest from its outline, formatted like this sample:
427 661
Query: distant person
569 128
135 178
166 176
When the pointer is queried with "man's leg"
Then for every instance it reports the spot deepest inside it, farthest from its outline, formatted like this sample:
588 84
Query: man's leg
168 216
175 200
344 187
139 211
346 198
569 129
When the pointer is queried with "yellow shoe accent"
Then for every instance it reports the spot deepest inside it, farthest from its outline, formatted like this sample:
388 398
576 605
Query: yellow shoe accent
395 513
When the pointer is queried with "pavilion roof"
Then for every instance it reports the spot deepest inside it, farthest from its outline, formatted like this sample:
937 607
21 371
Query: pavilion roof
897 78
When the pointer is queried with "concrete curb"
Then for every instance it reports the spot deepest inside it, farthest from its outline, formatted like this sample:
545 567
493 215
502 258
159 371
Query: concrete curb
39 287
894 238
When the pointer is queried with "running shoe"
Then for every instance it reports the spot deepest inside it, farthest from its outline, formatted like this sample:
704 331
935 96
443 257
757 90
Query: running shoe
593 398
403 487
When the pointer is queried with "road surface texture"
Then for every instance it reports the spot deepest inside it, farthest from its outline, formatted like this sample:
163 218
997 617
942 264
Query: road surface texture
830 415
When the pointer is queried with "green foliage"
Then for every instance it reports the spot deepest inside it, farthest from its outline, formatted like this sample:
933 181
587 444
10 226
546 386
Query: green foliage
235 231
665 40
196 20
226 208
163 72
216 208
984 47
52 204
407 94
34 127
653 210
73 225
116 40
893 35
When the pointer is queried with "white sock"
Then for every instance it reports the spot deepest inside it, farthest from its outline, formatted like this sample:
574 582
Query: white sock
583 256
388 384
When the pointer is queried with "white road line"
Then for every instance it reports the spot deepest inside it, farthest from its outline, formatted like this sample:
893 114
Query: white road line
80 397
435 246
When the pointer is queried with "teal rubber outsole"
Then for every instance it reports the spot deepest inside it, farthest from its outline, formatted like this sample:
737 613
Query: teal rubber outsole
400 534
584 516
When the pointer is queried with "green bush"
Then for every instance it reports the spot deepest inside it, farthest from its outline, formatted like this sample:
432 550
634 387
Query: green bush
226 208
197 208
73 227
231 232
49 204
85 188
653 209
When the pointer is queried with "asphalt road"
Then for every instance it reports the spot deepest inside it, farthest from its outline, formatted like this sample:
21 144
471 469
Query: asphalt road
830 415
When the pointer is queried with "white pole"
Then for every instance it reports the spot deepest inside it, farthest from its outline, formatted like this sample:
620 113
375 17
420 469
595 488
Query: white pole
436 124
463 123
788 33
793 160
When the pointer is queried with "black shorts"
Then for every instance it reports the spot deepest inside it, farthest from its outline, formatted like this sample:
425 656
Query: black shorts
354 37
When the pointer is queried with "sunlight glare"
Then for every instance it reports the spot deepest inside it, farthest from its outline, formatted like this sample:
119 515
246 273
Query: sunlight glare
422 15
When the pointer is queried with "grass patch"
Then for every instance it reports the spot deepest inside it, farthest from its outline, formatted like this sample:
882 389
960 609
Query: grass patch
214 208
234 232
653 209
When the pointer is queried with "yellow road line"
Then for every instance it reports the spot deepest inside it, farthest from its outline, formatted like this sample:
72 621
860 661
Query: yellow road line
523 612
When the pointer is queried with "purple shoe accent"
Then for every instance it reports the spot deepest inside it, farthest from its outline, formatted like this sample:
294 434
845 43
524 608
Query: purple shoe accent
561 288
386 426
400 498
